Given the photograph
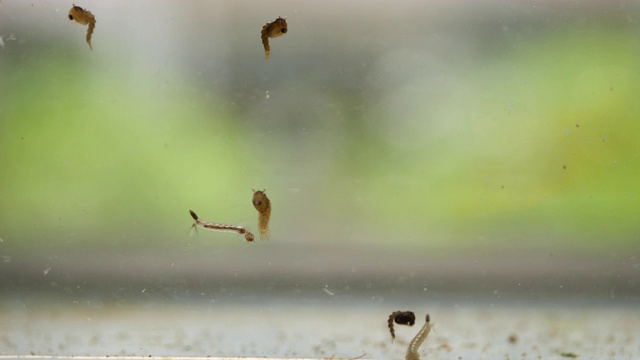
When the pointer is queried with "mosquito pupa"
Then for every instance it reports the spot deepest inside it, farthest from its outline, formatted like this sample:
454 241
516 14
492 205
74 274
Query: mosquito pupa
401 318
262 203
83 17
272 30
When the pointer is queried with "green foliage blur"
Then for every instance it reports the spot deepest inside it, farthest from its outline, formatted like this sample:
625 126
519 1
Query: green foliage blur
522 134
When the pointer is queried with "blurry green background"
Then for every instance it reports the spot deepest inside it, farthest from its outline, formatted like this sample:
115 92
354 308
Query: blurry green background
412 124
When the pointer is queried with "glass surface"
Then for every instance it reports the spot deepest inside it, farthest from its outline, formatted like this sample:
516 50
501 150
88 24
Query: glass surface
474 160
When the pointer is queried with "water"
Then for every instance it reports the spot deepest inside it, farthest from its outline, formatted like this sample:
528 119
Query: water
470 160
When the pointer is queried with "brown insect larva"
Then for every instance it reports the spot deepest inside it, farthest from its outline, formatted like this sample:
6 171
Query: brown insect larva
262 203
272 30
83 17
402 318
220 227
414 345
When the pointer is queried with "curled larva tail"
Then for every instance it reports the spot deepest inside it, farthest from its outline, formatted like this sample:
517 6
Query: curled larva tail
265 42
92 25
263 224
414 346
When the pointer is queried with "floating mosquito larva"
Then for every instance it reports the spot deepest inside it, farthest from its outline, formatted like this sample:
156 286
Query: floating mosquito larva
272 30
83 17
220 227
262 203
401 318
414 345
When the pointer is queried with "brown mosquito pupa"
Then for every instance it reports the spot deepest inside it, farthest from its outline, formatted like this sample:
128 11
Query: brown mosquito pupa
273 30
401 318
83 17
262 203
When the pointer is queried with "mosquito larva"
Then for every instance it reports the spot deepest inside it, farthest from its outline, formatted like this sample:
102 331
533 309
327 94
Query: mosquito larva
220 227
262 203
414 345
401 318
83 17
272 30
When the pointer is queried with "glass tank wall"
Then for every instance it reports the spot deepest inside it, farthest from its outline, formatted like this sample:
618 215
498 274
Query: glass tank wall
476 161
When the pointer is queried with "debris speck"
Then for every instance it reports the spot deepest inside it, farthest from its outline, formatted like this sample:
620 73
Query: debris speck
569 355
143 290
266 95
46 271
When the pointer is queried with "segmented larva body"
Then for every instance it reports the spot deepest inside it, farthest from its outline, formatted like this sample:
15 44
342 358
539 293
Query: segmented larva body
414 345
262 203
221 227
83 17
272 30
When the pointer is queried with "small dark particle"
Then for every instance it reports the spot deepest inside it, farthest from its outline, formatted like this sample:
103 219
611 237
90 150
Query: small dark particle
569 355
577 125
513 339
564 167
